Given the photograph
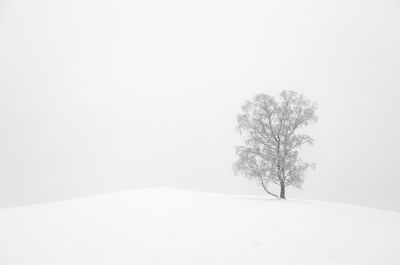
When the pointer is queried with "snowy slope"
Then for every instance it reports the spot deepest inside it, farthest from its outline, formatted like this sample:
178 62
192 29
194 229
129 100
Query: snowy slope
168 226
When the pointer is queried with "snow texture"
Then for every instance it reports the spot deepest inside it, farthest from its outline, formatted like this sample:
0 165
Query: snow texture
172 227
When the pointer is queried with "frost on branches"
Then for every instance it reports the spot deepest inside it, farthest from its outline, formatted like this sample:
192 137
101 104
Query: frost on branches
270 153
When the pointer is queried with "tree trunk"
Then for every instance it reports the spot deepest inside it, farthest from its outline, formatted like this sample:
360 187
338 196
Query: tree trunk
283 191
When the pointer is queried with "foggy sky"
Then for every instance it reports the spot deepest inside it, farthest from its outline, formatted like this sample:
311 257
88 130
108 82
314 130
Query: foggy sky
99 96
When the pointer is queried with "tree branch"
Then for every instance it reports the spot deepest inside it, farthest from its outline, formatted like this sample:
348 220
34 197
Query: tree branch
266 190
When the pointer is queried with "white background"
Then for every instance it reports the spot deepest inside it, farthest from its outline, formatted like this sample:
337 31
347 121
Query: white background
99 96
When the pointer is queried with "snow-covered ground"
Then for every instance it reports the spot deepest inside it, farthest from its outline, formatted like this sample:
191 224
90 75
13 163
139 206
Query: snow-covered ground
172 227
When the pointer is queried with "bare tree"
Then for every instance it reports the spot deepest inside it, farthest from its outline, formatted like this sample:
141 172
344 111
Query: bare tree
270 153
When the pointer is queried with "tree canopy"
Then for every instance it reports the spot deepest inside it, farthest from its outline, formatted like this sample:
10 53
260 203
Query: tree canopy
272 141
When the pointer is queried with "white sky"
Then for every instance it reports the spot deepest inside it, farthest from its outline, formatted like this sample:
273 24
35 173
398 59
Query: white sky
100 96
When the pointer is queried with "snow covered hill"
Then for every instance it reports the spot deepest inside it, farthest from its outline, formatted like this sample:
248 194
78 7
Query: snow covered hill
172 227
